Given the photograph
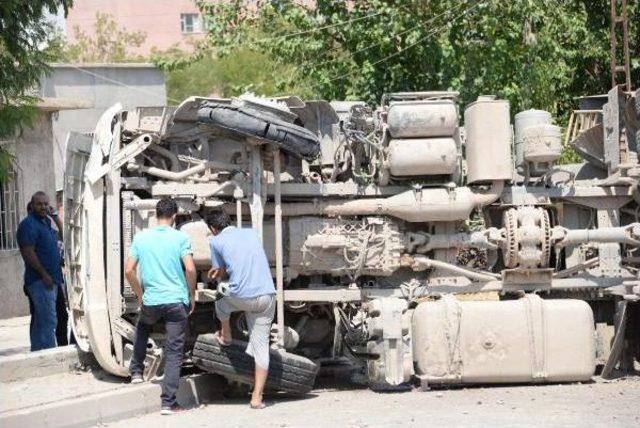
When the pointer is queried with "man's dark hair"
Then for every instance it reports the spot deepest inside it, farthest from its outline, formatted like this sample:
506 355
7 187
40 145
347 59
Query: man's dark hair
218 219
166 208
38 194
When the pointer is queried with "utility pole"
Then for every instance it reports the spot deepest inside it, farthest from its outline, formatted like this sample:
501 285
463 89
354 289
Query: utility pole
620 74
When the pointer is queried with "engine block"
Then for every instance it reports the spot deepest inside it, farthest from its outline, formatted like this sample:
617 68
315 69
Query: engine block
370 246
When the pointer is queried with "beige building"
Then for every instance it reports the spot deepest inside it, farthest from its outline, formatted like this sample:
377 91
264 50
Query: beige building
166 23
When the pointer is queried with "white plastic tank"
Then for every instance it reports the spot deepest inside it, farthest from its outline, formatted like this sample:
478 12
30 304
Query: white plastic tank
525 340
425 118
523 120
488 140
422 156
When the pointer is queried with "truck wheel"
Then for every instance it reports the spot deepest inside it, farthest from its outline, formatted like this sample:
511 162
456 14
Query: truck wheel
287 372
244 121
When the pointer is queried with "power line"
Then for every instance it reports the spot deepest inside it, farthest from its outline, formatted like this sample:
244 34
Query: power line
116 16
352 54
411 45
117 82
256 43
349 21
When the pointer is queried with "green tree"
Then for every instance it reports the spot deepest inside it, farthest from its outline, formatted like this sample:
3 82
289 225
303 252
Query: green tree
108 43
245 70
24 34
535 53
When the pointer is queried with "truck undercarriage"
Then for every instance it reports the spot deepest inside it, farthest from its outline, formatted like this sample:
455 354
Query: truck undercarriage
403 243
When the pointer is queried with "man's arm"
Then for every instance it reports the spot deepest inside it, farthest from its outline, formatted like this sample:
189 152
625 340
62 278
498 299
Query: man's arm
27 238
218 266
192 277
131 273
31 259
56 219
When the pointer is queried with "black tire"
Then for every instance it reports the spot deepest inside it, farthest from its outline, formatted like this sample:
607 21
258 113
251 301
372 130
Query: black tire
287 372
245 121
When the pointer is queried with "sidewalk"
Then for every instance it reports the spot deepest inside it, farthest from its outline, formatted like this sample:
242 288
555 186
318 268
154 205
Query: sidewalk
14 335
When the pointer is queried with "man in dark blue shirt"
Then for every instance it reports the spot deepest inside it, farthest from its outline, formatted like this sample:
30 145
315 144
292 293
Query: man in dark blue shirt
43 274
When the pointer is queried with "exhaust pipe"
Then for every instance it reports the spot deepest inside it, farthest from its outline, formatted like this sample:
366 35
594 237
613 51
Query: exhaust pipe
426 205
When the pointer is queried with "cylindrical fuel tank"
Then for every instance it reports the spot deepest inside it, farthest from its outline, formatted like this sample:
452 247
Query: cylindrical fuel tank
428 118
488 142
422 156
523 120
525 340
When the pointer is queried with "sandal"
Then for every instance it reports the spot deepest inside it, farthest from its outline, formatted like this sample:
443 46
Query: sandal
258 407
221 340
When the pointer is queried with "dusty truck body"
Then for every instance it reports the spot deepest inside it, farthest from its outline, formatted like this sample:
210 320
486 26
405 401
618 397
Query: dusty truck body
416 240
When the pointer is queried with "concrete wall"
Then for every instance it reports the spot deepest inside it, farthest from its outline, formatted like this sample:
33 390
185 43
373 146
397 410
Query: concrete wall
40 150
34 158
102 85
13 302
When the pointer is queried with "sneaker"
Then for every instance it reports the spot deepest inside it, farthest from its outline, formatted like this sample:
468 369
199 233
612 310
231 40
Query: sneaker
136 378
166 410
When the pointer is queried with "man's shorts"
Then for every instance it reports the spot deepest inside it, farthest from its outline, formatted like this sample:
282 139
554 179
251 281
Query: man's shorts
259 312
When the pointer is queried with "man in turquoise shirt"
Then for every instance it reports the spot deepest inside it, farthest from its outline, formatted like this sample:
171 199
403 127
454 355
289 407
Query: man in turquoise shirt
166 292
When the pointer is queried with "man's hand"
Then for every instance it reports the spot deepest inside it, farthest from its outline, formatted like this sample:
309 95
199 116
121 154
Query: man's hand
48 281
216 273
30 258
131 273
192 305
192 277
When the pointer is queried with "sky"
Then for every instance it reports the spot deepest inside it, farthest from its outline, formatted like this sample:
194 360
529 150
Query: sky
58 20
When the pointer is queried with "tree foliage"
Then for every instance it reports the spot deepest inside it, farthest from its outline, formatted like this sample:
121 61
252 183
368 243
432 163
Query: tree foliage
246 70
535 53
108 43
23 59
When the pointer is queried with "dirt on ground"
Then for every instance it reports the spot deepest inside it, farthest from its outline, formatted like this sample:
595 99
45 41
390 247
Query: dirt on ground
337 404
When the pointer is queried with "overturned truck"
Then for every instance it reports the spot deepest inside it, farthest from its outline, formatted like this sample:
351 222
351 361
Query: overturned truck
406 242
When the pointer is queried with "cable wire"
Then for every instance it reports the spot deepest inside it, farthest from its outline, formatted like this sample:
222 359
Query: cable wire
337 24
124 85
411 45
352 54
256 43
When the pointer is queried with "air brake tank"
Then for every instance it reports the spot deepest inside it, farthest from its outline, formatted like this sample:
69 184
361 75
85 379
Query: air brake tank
488 142
422 119
523 120
422 156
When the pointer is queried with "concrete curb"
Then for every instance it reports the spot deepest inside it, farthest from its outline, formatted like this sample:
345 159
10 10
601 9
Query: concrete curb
41 363
121 403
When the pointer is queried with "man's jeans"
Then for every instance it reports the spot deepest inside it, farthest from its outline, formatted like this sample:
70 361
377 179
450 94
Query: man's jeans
42 303
174 316
63 336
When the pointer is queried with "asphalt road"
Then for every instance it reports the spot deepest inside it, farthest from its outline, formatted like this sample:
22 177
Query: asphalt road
596 404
